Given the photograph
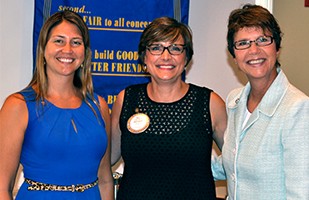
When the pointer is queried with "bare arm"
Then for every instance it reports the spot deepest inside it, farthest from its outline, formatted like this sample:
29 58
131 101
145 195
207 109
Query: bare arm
13 123
218 118
116 133
106 181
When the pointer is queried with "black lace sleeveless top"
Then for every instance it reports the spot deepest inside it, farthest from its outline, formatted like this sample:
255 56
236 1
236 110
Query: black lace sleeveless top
171 158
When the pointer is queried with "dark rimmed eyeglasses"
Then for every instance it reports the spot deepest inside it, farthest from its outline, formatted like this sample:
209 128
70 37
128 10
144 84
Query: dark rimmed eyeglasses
174 49
261 41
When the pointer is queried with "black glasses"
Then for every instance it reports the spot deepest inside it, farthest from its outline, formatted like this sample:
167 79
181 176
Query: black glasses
261 41
158 49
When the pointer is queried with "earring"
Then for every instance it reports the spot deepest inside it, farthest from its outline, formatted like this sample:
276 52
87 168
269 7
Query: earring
145 68
82 65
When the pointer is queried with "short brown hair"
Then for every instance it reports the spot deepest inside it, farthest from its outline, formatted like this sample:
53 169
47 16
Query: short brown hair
252 16
165 29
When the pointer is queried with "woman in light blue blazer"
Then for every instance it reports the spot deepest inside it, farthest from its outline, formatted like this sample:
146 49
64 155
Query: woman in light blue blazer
266 145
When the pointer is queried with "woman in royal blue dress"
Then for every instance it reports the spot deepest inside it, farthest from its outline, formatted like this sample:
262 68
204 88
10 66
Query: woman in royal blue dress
57 127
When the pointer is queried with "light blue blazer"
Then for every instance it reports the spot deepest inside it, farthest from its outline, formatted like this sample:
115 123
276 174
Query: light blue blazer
268 159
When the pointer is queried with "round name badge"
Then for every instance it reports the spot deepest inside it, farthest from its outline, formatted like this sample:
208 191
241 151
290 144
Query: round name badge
138 123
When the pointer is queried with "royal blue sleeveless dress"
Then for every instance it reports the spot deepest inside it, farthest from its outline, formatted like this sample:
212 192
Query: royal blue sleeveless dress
61 147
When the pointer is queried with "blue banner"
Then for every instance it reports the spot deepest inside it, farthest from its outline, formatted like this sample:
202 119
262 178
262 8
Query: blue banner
115 27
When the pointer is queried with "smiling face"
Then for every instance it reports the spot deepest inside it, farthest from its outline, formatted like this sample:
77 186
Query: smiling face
257 62
64 50
166 67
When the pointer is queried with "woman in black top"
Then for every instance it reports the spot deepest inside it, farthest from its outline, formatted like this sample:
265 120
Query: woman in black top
164 130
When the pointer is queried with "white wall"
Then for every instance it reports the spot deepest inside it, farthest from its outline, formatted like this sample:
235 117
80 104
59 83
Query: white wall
211 66
16 22
293 18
